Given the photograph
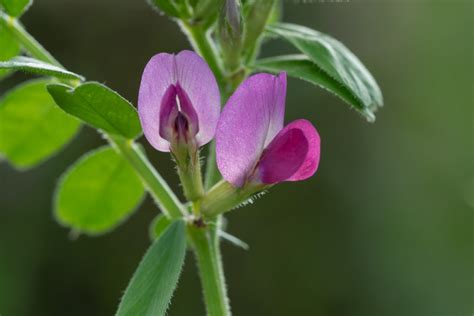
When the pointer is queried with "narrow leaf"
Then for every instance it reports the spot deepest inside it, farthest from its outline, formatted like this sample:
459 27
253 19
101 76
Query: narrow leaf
32 127
98 192
233 240
158 226
15 7
9 47
337 61
99 106
300 66
39 67
152 286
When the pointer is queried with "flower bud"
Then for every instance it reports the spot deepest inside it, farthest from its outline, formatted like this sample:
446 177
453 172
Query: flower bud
256 18
230 33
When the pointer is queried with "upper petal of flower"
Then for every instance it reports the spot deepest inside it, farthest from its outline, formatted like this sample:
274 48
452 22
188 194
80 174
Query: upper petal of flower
250 120
190 73
293 154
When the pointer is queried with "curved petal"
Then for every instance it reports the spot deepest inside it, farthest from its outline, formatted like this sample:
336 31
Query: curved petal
252 116
190 73
158 75
197 80
293 155
277 115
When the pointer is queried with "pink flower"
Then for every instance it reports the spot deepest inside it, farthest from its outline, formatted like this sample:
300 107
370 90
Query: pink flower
252 145
178 102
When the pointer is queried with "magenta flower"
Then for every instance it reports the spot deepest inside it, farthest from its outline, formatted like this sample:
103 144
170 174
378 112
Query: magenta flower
179 101
252 145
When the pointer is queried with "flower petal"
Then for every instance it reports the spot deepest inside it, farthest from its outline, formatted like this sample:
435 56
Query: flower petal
277 114
293 154
251 118
197 80
191 73
168 113
158 75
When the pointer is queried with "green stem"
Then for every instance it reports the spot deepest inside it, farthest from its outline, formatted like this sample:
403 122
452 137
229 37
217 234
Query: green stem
29 42
212 175
206 248
156 185
191 178
202 43
207 244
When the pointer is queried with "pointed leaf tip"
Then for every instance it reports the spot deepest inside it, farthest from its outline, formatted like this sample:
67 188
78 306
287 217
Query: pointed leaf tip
98 106
339 64
39 67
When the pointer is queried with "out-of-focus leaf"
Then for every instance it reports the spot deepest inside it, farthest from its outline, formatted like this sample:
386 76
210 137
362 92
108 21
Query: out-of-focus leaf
168 7
32 127
39 67
255 19
9 47
155 280
98 192
159 224
337 61
277 12
99 106
15 7
300 66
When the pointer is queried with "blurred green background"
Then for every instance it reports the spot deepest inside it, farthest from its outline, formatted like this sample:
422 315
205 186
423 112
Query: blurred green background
384 228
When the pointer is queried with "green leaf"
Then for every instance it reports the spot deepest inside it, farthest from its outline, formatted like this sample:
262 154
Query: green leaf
32 127
99 106
98 192
257 16
39 67
155 280
168 7
277 13
337 61
9 47
15 7
300 66
159 224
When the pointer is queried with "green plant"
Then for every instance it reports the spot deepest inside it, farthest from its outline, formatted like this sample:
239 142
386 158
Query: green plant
104 187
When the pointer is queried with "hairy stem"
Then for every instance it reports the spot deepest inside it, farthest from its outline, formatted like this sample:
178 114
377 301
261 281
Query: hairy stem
212 174
157 186
191 178
31 45
206 242
202 43
206 247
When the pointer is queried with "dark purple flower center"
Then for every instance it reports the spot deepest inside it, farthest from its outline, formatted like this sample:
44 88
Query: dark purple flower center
178 119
